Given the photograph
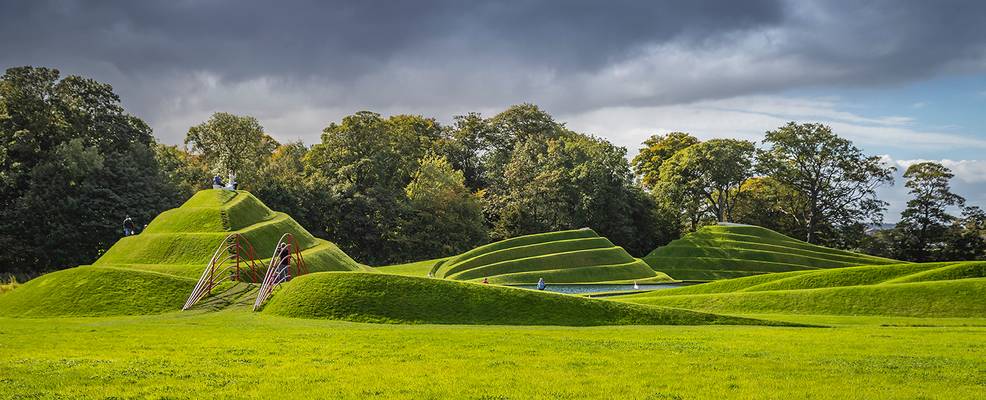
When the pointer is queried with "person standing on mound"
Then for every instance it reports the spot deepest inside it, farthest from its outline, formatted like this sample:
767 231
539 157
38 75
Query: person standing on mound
129 228
217 182
541 284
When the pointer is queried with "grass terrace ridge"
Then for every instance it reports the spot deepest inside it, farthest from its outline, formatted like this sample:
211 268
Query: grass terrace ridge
931 290
385 298
731 251
573 256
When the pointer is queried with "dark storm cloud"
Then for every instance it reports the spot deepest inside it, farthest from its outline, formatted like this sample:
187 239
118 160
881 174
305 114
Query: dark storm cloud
297 65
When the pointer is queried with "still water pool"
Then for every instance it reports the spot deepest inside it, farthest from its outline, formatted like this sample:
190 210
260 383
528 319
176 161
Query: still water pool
575 288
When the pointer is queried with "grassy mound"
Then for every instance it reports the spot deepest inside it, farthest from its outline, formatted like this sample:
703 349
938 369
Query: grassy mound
731 251
96 291
559 257
367 297
913 290
417 268
181 241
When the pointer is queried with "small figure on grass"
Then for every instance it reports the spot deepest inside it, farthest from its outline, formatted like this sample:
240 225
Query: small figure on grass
486 281
541 284
217 182
129 227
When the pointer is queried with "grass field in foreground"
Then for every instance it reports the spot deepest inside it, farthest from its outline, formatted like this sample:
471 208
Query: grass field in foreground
242 355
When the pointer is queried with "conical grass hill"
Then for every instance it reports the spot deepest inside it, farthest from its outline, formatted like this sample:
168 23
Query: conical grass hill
733 250
181 241
155 271
574 256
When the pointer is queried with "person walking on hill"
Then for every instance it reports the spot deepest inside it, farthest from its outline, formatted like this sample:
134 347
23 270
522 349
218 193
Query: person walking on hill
541 284
284 263
129 227
217 182
232 183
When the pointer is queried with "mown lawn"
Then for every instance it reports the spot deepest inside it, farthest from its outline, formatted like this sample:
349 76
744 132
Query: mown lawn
240 354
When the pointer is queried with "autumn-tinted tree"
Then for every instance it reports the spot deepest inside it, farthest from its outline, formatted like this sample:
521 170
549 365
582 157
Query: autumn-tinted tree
656 150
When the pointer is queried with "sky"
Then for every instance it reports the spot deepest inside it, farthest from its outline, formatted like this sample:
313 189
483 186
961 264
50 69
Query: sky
902 79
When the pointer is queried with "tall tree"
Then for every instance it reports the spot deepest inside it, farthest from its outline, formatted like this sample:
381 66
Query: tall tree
73 164
658 149
966 238
835 182
925 220
446 218
232 144
359 171
714 170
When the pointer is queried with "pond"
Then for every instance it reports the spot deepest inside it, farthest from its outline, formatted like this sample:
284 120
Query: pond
586 288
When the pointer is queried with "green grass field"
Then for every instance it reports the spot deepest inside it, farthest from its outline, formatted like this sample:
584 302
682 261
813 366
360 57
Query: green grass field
912 290
807 330
733 251
573 256
236 354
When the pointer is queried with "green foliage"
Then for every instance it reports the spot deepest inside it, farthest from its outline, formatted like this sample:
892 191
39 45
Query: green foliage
232 144
834 181
93 291
446 218
558 257
73 165
729 251
388 298
925 221
713 171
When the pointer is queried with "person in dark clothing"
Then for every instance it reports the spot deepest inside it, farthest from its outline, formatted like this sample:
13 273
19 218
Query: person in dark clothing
217 182
284 255
129 227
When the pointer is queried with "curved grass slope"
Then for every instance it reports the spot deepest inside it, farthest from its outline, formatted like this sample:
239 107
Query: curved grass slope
384 298
559 257
953 289
96 291
731 251
181 241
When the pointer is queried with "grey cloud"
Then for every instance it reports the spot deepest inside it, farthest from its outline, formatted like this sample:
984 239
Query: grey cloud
289 62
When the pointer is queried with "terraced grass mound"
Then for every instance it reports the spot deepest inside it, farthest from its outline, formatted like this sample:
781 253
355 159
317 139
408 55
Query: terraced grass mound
733 251
385 298
96 291
181 241
913 290
574 256
417 268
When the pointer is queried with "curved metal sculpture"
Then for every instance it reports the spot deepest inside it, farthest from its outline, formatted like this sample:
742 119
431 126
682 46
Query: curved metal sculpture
287 255
234 259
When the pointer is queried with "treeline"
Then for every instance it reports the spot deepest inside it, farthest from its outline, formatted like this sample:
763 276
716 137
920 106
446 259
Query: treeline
74 164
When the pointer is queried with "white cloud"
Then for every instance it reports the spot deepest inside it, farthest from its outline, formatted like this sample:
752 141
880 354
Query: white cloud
968 171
